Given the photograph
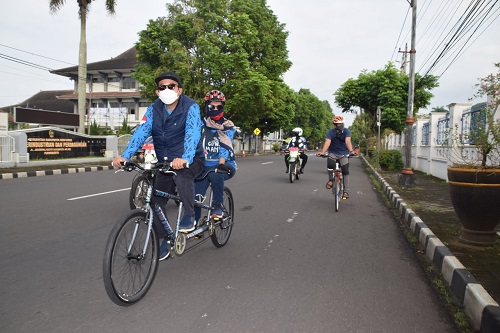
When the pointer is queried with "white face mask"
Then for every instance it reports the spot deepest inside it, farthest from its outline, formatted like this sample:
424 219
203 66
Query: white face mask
168 96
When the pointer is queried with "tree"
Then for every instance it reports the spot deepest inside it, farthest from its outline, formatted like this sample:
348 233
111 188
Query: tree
386 89
312 115
83 5
439 109
237 46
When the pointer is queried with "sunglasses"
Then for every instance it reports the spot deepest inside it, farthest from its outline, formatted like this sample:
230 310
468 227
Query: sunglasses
215 107
170 86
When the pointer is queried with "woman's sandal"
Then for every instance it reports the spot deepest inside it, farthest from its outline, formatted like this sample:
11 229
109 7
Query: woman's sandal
329 184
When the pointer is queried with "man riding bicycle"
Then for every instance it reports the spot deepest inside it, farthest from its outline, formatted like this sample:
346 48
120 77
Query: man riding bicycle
300 142
339 146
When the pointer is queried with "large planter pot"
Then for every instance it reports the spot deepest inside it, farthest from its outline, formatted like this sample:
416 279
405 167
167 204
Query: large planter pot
475 195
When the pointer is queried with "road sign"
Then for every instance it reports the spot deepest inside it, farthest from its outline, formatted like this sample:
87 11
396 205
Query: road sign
256 131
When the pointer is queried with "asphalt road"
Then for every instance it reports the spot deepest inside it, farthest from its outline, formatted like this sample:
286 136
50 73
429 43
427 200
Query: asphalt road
292 264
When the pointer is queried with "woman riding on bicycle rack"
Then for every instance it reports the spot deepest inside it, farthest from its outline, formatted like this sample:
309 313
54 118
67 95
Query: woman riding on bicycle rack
338 145
217 137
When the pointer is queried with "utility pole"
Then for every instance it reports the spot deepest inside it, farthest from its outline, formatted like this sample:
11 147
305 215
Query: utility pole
408 178
404 60
379 119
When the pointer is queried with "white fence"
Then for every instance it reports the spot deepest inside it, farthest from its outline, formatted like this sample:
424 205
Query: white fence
431 150
6 147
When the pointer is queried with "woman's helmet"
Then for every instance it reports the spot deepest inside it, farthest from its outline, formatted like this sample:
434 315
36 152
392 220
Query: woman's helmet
298 131
215 96
338 120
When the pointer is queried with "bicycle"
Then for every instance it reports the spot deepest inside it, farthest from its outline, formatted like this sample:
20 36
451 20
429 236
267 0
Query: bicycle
131 257
337 181
293 163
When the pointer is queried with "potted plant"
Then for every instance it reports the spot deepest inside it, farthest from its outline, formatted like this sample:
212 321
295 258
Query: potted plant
474 176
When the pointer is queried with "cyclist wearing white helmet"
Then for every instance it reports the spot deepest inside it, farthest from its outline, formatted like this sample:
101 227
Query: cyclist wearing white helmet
338 144
300 142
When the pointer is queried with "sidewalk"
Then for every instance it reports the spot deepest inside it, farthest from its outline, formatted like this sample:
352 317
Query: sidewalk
472 273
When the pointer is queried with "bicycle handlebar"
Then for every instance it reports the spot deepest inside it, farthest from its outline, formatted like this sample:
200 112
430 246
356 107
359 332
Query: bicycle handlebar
131 166
327 155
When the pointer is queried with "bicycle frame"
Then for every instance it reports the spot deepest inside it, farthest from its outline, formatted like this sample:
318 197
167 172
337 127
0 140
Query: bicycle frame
153 208
338 180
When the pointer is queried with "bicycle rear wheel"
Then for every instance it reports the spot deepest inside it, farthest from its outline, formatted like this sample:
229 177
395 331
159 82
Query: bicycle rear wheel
128 269
223 231
336 191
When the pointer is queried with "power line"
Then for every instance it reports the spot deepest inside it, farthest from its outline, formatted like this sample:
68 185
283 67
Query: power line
24 62
472 19
402 27
38 55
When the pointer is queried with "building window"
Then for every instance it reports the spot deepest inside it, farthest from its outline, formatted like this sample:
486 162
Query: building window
443 127
129 83
425 134
472 121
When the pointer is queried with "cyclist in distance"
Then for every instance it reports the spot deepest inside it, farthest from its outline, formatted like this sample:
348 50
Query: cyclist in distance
338 145
300 142
217 138
174 122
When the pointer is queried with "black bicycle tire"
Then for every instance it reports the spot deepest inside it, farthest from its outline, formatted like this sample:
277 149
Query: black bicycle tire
292 171
227 225
133 191
112 248
336 192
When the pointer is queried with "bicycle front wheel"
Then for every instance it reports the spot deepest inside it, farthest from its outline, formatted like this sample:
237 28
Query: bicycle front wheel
336 192
138 191
129 266
292 172
223 231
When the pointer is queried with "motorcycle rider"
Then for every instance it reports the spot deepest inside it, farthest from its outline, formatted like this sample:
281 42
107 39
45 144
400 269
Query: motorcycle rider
300 142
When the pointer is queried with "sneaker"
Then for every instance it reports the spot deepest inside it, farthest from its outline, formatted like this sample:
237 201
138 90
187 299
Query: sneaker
187 224
164 250
286 170
301 171
345 195
217 211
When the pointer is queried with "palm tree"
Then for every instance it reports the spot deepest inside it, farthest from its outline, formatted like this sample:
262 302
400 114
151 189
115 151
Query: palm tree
55 5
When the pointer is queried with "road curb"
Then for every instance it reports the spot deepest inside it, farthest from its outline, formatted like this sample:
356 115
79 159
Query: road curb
483 311
53 172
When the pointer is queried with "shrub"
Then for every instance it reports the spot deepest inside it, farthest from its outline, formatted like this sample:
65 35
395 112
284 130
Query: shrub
391 160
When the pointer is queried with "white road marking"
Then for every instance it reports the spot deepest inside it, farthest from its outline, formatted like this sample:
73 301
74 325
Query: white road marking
267 163
97 194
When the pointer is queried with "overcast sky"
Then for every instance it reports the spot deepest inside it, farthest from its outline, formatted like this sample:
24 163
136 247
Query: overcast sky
329 42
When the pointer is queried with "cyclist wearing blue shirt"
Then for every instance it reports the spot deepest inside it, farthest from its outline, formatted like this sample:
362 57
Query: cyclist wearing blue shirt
338 144
174 122
217 138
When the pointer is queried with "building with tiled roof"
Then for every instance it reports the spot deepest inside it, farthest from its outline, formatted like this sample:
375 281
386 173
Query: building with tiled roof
109 87
111 92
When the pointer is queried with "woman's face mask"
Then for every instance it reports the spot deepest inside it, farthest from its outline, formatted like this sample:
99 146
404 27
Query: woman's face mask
168 96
